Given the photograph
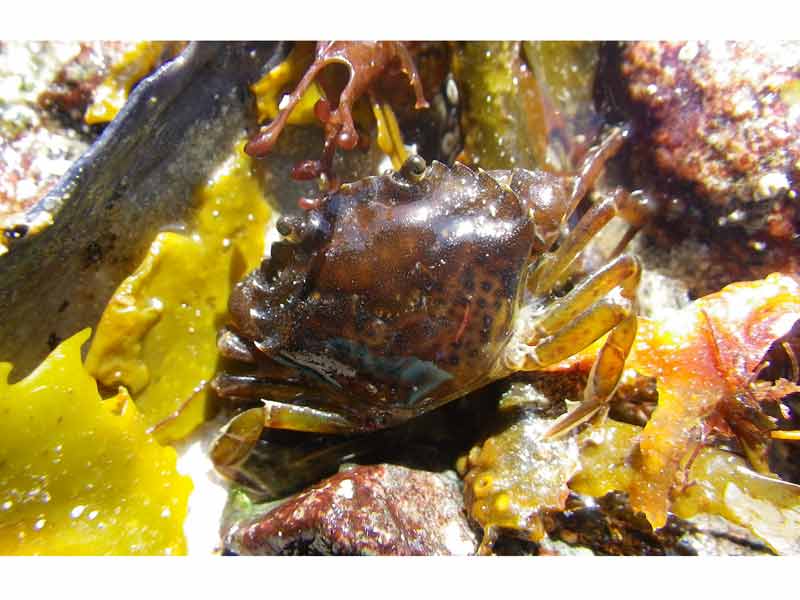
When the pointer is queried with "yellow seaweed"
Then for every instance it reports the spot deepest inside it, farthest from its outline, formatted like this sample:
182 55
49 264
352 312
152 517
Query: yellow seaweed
499 121
134 65
717 482
516 477
158 333
80 475
269 89
390 140
703 356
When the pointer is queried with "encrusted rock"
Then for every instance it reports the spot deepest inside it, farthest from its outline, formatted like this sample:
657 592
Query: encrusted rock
725 117
35 149
367 510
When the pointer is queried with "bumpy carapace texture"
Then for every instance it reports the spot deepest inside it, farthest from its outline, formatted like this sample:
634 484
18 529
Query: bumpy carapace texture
393 296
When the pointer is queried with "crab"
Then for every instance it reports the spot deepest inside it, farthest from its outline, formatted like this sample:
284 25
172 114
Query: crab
399 293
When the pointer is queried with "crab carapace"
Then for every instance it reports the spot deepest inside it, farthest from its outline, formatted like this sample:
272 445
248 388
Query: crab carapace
399 293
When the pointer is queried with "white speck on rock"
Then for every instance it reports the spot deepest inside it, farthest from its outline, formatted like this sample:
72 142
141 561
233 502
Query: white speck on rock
346 489
770 185
688 52
457 541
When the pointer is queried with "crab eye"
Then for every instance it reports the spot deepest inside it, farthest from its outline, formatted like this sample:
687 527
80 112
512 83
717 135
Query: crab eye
290 227
414 168
284 226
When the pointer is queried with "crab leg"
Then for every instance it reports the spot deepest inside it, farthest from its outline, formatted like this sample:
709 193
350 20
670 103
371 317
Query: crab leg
594 164
251 386
278 415
237 438
232 345
276 411
623 270
579 334
579 319
603 378
553 266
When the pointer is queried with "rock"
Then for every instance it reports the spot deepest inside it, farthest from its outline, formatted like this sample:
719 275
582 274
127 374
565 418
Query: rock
723 117
608 526
68 94
36 148
366 510
78 242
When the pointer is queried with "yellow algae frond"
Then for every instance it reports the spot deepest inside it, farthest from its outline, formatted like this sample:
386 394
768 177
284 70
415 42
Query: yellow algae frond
134 65
78 474
702 359
516 476
269 89
158 333
717 482
390 140
607 459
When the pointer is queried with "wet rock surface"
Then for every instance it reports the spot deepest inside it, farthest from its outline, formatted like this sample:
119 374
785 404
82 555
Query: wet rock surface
724 117
73 247
699 263
609 526
69 93
366 510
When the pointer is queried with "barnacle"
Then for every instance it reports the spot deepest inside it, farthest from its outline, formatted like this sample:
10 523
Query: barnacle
79 474
158 333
